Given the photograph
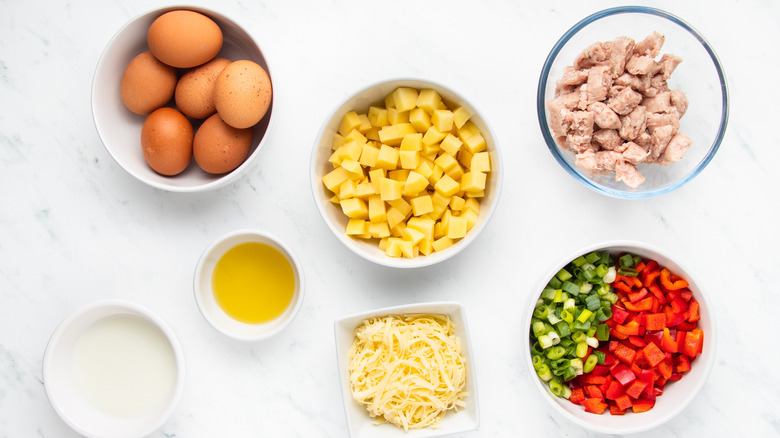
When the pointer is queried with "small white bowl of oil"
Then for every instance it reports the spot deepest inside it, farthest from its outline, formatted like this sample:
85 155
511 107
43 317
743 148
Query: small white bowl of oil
248 285
113 369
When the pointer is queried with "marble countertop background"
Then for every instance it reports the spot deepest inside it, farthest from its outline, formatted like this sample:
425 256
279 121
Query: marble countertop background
75 227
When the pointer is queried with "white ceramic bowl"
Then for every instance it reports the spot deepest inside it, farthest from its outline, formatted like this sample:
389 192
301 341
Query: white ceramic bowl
336 220
67 395
676 395
359 423
208 305
120 129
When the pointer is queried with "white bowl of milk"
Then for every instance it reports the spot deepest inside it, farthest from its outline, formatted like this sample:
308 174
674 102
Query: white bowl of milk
113 369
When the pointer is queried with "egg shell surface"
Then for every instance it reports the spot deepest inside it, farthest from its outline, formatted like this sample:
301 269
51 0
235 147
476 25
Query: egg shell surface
184 38
195 89
243 93
147 83
218 147
166 140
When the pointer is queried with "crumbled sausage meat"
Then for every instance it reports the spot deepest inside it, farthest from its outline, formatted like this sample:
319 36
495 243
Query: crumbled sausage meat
614 109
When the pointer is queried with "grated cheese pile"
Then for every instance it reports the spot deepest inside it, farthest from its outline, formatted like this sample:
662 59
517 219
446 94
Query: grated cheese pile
407 370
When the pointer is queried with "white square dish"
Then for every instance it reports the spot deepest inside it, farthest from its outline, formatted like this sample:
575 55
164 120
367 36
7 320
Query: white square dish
359 423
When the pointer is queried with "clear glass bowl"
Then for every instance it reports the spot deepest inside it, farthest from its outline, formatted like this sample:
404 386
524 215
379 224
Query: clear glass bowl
700 76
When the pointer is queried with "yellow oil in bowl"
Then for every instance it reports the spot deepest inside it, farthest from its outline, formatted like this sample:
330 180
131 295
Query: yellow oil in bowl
253 283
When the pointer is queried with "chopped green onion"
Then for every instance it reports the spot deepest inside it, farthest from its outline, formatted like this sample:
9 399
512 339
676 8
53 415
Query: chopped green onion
545 341
590 363
593 302
584 315
602 332
579 261
593 342
563 329
538 328
537 362
609 277
556 387
627 272
540 312
554 337
544 372
563 274
567 316
555 283
593 257
570 287
576 364
582 350
627 261
601 356
556 352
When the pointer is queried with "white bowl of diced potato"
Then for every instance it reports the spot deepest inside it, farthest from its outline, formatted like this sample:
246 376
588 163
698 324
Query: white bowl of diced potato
406 173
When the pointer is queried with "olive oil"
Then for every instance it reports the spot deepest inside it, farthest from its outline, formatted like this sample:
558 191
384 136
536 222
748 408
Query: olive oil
253 282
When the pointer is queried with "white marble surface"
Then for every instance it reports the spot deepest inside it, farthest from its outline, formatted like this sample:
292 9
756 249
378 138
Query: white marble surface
75 227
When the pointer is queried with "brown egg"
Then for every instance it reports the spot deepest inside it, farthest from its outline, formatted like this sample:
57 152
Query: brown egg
219 147
184 39
147 84
195 89
166 140
243 94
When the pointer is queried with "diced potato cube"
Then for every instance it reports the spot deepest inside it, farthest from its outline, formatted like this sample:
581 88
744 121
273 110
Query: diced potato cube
376 209
442 244
387 158
422 205
353 168
393 134
464 158
334 178
375 176
478 194
389 103
409 159
446 161
395 117
335 199
368 155
405 98
471 204
451 144
354 208
348 189
365 125
350 150
432 135
422 224
412 235
455 172
473 181
457 227
383 243
471 218
356 227
440 200
420 119
429 100
401 205
414 184
373 133
439 230
475 143
378 230
431 151
407 249
398 174
377 116
350 121
460 117
480 162
394 247
442 120
394 217
398 230
447 186
457 203
425 246
357 136
468 129
364 190
412 142
390 189
425 169
338 140
436 175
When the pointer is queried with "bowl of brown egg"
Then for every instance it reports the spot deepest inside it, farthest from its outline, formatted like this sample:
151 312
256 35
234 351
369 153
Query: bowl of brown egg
182 99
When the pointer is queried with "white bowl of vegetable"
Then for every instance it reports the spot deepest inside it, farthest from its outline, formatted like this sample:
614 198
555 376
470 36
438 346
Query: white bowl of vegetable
620 337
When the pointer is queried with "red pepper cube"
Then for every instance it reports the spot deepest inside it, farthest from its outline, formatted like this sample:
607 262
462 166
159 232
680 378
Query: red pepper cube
653 336
636 296
577 396
635 389
636 341
668 343
657 293
665 369
614 390
600 370
655 321
593 391
642 405
619 314
653 354
622 374
614 410
693 343
682 364
672 318
623 402
625 354
642 305
693 311
679 306
592 379
594 405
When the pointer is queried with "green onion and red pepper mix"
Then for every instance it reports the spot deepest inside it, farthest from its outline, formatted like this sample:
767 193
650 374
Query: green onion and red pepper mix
611 335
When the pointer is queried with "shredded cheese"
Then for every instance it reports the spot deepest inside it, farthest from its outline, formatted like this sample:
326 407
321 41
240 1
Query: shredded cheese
407 370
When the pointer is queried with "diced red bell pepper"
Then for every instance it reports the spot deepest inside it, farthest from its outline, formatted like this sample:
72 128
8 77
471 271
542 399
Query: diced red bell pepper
651 277
682 364
625 354
604 386
614 390
614 410
673 318
592 379
653 354
635 389
693 311
642 305
594 405
619 315
655 321
623 287
686 326
623 402
636 296
636 341
629 329
665 368
653 336
670 283
642 405
685 294
693 343
600 370
650 265
657 293
675 376
577 395
593 391
616 334
679 306
622 374
668 344
640 267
